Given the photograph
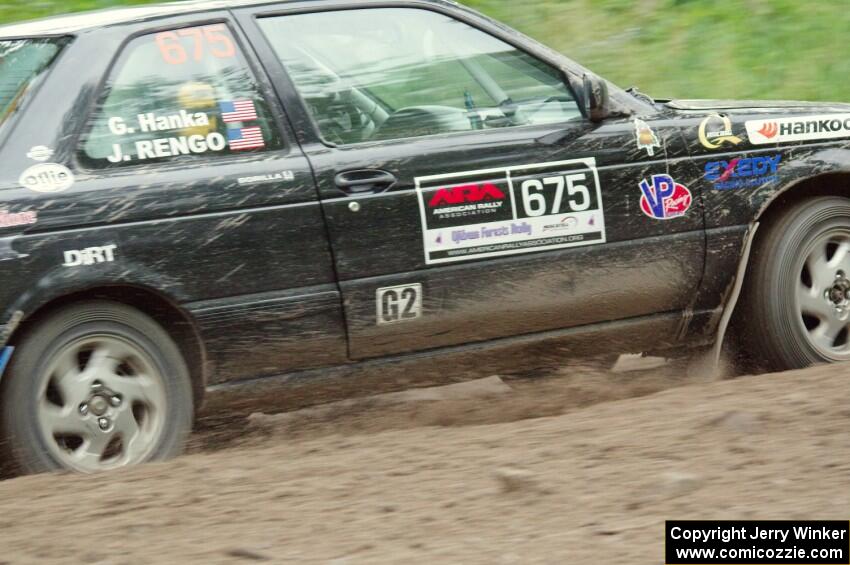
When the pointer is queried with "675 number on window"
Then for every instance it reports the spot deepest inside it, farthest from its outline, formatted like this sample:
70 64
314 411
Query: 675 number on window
557 194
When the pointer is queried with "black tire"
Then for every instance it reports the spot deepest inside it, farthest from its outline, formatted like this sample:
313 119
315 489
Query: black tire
777 330
25 440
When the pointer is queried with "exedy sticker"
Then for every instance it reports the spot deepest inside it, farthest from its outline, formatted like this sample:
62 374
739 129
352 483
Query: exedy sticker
511 210
805 128
716 131
743 172
662 198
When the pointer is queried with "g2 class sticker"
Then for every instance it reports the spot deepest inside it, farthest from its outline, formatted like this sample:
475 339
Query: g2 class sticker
716 131
505 211
47 177
646 138
662 198
398 303
805 128
40 153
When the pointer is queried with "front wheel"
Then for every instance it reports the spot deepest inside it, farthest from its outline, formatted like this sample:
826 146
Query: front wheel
93 387
796 301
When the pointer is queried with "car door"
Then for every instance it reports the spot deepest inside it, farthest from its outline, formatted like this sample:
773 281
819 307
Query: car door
466 196
184 181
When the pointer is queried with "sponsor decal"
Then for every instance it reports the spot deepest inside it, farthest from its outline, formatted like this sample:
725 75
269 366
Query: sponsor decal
803 128
40 153
237 111
646 138
245 138
170 147
47 177
194 43
715 132
90 256
398 303
663 198
12 219
5 356
743 172
566 224
152 122
510 210
283 175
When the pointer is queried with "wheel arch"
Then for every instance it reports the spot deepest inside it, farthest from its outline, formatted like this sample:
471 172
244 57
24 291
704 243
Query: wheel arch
176 321
825 184
836 183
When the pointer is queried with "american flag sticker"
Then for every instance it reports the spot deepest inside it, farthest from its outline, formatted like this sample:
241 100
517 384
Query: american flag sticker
237 111
245 138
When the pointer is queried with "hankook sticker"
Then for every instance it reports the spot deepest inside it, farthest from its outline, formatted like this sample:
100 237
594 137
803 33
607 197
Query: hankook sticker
506 211
804 128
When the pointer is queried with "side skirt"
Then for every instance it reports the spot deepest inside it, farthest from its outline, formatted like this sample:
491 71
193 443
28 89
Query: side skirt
441 366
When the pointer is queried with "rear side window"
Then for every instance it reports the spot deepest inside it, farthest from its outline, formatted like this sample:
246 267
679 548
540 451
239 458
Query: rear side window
21 62
181 94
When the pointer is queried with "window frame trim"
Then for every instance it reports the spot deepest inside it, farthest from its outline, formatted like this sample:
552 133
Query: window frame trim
467 18
259 73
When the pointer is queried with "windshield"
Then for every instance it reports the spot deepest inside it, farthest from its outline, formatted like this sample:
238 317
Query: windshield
21 62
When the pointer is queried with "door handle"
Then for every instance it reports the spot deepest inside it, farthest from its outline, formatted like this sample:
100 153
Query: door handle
364 181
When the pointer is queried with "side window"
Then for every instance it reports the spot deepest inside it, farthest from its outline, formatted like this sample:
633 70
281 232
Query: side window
389 73
181 94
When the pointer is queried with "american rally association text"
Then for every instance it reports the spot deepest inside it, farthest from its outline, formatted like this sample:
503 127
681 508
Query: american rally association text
726 534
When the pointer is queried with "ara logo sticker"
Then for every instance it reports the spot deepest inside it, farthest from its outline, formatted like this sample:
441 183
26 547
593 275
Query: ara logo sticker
466 193
663 198
47 177
716 131
646 138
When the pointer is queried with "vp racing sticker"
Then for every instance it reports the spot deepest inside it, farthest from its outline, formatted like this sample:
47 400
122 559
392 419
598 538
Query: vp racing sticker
662 198
506 211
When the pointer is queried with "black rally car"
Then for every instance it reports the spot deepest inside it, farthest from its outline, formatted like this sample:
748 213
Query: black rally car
211 196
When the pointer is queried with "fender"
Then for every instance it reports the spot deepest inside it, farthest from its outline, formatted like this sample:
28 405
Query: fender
819 171
60 281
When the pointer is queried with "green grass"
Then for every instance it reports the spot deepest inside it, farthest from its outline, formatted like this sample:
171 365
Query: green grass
668 48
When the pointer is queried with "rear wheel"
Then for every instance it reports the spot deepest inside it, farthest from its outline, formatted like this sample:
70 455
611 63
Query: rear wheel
796 303
93 387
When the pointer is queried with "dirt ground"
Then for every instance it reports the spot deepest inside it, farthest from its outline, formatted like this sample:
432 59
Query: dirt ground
575 465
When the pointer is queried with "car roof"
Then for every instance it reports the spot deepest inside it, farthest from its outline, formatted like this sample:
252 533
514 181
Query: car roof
60 25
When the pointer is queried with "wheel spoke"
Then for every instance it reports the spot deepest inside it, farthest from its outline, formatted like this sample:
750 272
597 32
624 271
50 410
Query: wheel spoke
90 453
819 269
127 427
138 388
826 332
104 361
61 421
841 259
813 303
